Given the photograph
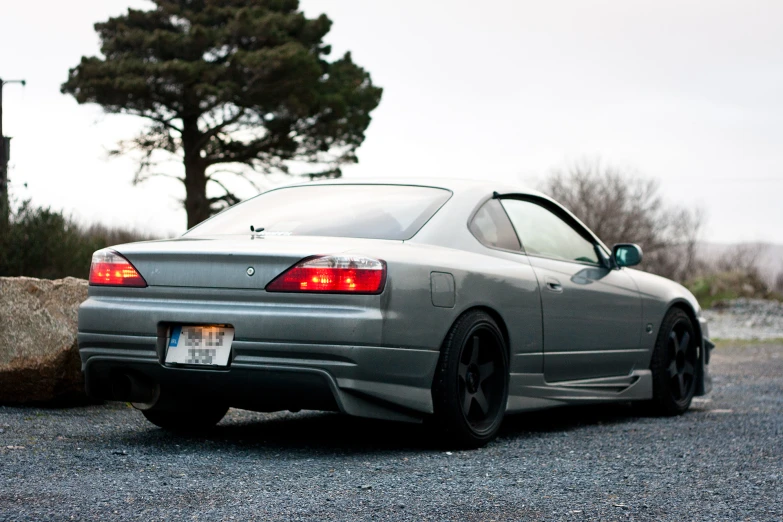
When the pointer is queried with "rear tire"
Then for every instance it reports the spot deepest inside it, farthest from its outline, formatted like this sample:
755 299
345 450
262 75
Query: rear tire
674 363
186 420
470 389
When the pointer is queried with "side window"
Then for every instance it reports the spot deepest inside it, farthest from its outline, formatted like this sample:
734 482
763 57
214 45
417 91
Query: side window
492 228
544 233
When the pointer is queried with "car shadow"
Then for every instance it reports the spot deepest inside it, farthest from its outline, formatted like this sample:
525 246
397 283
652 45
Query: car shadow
332 432
568 418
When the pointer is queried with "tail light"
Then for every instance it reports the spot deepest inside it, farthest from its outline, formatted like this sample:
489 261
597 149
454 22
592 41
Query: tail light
333 274
111 269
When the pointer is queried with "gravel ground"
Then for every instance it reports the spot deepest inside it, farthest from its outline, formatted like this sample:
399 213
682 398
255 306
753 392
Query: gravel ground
746 319
723 460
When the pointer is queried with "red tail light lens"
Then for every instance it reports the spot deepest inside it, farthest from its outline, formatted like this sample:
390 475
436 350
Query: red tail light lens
111 269
333 274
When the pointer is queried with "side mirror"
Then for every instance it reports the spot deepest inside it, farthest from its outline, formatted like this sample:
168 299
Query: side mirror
626 254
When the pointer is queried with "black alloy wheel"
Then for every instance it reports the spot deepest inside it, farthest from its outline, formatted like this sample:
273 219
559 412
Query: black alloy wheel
674 364
471 383
683 357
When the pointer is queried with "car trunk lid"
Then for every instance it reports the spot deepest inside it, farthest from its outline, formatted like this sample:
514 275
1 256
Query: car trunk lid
226 261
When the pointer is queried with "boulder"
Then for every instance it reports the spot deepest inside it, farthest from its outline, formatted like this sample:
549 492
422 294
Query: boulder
39 353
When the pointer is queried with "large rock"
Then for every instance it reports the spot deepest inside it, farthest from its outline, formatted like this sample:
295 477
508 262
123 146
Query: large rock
39 354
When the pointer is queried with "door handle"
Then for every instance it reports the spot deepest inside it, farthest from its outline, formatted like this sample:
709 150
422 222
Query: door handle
553 285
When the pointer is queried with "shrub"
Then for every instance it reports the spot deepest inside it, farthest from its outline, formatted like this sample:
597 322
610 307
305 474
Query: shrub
40 242
714 288
777 286
732 275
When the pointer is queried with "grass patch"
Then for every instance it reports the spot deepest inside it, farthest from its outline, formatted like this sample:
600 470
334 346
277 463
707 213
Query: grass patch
719 343
713 289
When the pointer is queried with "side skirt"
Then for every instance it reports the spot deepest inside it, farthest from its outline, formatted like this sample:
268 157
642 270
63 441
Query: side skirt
530 391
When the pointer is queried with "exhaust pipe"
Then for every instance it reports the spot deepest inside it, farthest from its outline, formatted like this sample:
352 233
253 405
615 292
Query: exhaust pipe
133 388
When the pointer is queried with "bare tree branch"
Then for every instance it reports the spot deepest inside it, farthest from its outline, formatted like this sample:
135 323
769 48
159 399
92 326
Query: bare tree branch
625 207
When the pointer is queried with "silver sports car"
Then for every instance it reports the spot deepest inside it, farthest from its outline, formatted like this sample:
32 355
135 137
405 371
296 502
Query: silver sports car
451 302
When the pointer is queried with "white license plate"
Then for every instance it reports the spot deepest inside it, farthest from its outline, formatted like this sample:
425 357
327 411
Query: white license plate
199 345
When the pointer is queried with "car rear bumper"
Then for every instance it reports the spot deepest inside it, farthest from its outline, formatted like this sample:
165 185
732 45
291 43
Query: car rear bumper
367 381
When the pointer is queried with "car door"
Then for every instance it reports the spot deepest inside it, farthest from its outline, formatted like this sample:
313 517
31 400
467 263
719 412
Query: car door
592 316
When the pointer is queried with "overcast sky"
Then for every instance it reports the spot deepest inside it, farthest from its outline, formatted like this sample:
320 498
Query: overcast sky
687 92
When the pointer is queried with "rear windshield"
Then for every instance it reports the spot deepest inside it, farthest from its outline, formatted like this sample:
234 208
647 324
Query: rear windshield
364 211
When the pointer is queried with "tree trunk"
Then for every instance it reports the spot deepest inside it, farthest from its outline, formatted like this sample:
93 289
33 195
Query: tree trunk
197 205
196 202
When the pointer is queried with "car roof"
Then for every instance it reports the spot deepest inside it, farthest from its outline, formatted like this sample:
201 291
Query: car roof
455 185
465 189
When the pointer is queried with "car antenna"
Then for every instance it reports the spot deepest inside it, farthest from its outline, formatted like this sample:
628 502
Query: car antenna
259 229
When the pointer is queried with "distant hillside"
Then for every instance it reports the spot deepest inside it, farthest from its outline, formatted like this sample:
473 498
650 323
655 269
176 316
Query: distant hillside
769 260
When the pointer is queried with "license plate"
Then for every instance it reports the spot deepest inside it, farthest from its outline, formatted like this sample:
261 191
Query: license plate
200 345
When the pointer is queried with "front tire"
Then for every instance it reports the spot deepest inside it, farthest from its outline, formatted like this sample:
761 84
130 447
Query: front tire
674 363
470 390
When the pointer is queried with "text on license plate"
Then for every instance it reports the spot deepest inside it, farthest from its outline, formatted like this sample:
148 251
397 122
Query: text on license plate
203 345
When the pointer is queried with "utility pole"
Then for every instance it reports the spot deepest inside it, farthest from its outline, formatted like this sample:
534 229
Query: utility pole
5 150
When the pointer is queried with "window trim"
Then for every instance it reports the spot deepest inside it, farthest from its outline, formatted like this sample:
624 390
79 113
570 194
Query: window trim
567 218
472 216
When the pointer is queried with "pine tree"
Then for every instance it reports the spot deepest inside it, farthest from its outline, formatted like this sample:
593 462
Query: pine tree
242 82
